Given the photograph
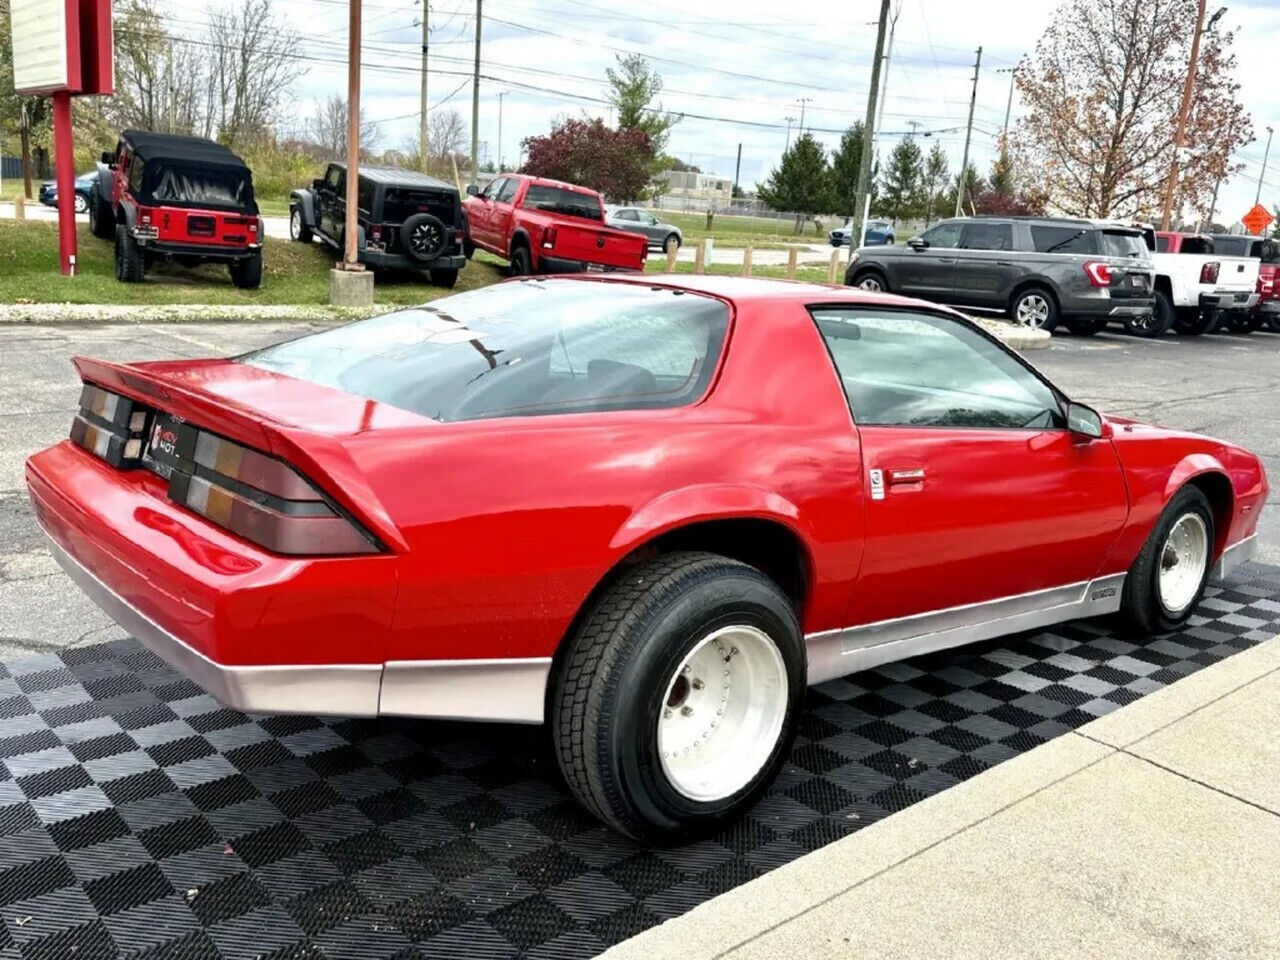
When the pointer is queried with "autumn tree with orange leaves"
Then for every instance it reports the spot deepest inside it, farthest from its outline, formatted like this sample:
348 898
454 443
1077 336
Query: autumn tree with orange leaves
1103 90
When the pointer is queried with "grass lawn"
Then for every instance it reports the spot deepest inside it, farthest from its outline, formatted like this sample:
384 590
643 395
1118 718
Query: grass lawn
764 233
292 274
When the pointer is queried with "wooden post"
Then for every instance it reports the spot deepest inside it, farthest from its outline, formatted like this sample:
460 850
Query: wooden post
791 263
833 268
350 255
671 258
700 258
746 261
19 207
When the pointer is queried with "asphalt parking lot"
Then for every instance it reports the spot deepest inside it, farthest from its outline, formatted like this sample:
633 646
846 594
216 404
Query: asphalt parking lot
1223 385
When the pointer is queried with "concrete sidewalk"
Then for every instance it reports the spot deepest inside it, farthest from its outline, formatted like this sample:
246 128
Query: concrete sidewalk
1151 832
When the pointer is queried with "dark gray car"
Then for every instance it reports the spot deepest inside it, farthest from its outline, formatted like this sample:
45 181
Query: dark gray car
1041 270
639 220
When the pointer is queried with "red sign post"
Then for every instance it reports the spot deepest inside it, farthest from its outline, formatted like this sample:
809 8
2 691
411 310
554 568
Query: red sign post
62 48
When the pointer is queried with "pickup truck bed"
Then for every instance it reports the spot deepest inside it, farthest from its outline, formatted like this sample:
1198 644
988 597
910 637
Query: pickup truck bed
544 226
1199 283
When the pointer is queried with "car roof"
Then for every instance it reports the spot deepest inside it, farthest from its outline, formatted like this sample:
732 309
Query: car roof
168 146
735 288
548 182
398 176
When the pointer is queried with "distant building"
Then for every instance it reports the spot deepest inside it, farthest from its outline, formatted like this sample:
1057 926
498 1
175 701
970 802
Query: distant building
697 186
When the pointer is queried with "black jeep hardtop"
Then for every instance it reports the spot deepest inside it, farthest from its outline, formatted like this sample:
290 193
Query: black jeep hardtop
407 220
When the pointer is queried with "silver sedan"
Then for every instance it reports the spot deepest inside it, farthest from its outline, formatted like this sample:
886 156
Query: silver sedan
666 236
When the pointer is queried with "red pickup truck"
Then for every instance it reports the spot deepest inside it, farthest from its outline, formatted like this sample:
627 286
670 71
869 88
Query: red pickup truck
545 226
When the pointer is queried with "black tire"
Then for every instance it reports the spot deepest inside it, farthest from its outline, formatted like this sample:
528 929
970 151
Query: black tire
871 280
1141 604
102 221
1086 326
130 264
442 277
468 249
246 273
299 229
617 671
1191 322
81 203
424 237
1273 323
672 242
1039 300
1242 321
521 262
1155 324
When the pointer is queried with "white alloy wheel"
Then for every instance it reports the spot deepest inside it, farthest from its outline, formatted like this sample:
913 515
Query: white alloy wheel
1032 310
82 205
870 282
723 713
1183 560
295 223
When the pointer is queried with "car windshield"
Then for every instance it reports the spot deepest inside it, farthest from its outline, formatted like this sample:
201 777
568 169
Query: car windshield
571 203
525 348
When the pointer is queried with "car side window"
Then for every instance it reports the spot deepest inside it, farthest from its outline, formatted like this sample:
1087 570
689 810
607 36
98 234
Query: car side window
491 191
333 177
135 174
508 191
945 235
986 236
909 369
626 215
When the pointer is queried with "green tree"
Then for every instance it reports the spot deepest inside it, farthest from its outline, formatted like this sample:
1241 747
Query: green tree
901 189
844 171
1001 179
799 184
934 183
973 185
632 90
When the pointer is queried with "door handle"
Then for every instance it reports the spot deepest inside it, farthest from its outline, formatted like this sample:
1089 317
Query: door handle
906 476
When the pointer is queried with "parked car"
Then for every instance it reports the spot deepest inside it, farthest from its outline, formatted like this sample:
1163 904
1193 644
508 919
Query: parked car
878 233
665 236
545 226
1196 284
1267 253
176 198
1042 270
633 508
48 193
406 220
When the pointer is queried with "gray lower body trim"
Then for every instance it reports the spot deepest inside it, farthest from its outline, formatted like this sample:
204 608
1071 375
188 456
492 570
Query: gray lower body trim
1234 555
508 690
836 653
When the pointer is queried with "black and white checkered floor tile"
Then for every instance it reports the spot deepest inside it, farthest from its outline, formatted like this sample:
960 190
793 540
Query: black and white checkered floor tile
139 818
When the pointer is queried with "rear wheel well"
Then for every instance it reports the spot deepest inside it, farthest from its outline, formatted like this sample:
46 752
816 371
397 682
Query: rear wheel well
1164 285
1038 284
771 547
1217 488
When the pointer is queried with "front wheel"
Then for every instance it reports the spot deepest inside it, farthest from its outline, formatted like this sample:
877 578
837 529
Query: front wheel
82 203
871 280
671 243
676 701
299 230
1167 580
1034 308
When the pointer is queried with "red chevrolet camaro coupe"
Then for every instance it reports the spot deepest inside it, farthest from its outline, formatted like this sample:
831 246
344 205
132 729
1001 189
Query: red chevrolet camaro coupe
646 512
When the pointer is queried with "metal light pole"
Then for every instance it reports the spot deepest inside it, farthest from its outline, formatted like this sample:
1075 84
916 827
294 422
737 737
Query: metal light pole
1008 107
888 59
790 120
422 93
501 94
349 259
868 137
475 103
1267 153
802 101
968 135
1188 88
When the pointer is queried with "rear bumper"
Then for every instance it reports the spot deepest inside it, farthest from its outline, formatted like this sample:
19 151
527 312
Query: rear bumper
398 261
211 251
1108 307
1228 301
564 265
1269 307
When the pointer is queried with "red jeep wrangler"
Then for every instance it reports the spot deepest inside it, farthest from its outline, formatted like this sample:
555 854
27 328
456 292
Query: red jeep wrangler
184 199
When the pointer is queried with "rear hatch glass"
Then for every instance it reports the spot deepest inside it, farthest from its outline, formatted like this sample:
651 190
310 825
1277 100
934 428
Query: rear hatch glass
1123 243
520 349
400 204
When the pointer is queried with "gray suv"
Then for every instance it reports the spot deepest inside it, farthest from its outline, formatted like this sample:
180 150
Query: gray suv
1042 270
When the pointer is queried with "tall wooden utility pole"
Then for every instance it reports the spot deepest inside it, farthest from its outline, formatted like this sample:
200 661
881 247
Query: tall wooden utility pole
888 59
968 135
350 228
868 137
1188 88
475 104
1008 106
422 93
1266 155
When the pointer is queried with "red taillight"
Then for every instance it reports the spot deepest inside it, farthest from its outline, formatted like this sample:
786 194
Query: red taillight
1098 272
260 498
548 237
1209 272
375 232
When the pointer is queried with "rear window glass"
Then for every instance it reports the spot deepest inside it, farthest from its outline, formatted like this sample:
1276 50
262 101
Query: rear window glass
201 186
1232 246
1116 243
400 204
560 200
1162 244
1063 240
520 349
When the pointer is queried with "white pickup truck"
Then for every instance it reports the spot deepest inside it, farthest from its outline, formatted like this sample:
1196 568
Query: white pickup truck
1195 284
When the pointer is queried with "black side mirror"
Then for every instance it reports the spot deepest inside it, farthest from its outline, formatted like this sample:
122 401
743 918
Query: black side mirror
1084 420
473 190
916 243
108 158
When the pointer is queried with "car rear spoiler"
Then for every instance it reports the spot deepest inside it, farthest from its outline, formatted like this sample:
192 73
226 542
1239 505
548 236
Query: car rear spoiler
322 459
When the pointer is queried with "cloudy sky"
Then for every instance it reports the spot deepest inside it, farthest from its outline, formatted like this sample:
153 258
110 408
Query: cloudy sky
736 70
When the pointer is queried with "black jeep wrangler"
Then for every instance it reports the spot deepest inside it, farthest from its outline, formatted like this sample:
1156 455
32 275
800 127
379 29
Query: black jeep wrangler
406 219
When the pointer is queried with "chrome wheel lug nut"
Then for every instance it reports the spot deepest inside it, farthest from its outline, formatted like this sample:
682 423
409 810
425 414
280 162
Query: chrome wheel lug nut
686 711
666 713
697 684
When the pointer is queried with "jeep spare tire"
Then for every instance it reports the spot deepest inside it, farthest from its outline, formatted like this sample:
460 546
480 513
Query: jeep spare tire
424 236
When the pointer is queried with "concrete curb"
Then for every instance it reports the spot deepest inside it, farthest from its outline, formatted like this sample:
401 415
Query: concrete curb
753 910
1015 337
95 313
